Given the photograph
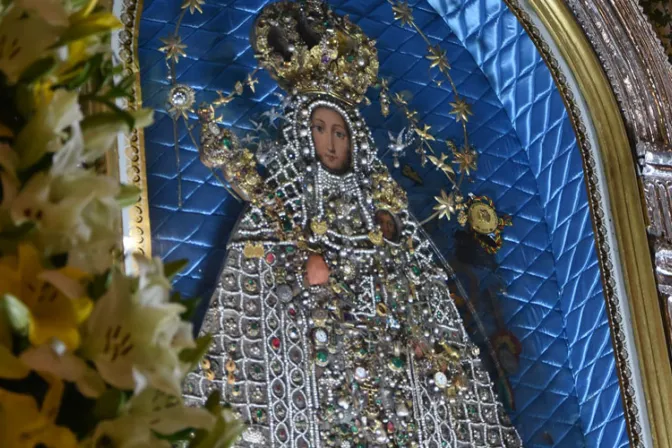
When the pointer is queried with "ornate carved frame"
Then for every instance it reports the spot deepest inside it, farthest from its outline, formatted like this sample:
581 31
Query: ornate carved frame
617 84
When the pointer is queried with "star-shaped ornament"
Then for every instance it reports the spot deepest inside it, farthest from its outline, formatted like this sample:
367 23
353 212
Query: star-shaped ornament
466 160
403 13
173 48
445 205
438 58
461 110
193 5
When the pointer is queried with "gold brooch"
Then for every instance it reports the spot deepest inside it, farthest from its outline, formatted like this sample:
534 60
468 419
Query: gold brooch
486 224
318 227
253 250
376 237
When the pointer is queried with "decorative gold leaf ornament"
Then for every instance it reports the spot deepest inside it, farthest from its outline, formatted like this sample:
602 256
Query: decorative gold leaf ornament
319 227
376 237
253 250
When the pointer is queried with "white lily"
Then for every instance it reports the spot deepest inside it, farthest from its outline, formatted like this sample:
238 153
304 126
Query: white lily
51 11
44 131
25 37
54 359
135 336
76 213
102 130
146 415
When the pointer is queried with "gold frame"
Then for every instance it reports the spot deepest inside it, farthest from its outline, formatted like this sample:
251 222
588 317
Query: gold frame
620 179
628 213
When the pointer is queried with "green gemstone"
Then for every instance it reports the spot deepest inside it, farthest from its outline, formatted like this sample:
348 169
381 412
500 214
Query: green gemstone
227 142
322 356
416 270
260 413
256 218
270 196
350 58
280 194
397 362
287 225
354 429
325 23
290 249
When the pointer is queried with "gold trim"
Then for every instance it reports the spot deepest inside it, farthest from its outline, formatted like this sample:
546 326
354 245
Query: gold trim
627 211
134 152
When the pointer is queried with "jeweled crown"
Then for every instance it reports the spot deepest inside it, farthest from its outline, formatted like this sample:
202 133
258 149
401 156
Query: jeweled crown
307 47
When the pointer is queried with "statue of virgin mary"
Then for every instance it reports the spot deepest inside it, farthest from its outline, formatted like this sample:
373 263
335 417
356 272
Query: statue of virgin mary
332 320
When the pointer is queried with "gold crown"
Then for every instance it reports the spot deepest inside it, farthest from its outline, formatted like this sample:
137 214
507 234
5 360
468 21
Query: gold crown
307 47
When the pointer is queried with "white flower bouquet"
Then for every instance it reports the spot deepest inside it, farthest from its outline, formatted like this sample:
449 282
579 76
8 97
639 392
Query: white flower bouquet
89 355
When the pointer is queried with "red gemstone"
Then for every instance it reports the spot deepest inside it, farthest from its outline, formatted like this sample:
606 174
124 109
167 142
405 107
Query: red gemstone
270 258
275 342
292 312
390 427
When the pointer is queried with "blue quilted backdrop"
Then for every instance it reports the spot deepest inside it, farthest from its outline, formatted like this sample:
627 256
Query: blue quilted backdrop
566 389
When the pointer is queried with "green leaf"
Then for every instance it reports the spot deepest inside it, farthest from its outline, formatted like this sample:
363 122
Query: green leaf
43 164
194 355
38 69
128 195
16 312
99 285
173 267
109 404
192 306
185 434
222 435
11 237
97 23
213 403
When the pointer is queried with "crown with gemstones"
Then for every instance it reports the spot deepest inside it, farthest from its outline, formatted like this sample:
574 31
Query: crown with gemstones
306 47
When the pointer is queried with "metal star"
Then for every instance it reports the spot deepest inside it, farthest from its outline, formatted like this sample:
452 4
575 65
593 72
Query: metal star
193 5
445 206
403 13
461 110
466 160
424 133
251 82
441 164
174 48
438 58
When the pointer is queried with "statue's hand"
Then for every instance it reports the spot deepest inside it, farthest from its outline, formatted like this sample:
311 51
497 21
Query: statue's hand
317 271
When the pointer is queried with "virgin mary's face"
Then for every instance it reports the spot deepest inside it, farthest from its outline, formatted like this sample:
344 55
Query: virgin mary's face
331 139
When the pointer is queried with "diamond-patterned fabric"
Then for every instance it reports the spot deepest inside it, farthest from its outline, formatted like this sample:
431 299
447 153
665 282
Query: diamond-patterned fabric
566 390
